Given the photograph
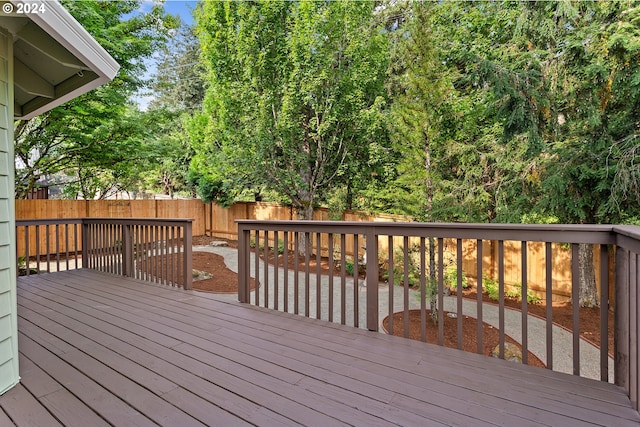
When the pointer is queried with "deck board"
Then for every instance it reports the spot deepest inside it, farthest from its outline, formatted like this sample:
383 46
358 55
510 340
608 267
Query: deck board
120 352
59 401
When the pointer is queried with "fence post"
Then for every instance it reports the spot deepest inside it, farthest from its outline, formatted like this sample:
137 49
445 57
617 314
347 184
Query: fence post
188 266
243 264
372 279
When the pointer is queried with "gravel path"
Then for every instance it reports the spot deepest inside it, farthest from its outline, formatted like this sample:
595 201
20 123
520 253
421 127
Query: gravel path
562 339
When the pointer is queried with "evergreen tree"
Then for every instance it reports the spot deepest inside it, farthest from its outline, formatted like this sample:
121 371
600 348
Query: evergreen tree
179 83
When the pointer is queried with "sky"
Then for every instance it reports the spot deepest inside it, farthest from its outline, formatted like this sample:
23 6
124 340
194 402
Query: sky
181 8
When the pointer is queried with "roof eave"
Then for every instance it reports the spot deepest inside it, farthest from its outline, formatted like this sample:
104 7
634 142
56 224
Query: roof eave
63 28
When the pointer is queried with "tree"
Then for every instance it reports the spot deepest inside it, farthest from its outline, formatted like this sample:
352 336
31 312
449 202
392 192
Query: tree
179 84
126 154
590 68
543 111
422 87
87 130
562 80
296 90
178 91
169 173
452 94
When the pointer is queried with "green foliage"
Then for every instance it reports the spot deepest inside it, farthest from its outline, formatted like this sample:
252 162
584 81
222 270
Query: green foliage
414 269
446 111
451 91
252 244
178 91
180 80
490 286
349 267
412 264
538 218
210 187
451 278
421 84
96 138
532 298
295 94
590 106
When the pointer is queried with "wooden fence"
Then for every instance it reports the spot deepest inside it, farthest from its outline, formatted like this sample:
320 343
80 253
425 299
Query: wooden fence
208 219
214 220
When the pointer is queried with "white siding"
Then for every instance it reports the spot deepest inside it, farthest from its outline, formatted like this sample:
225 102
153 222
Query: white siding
8 305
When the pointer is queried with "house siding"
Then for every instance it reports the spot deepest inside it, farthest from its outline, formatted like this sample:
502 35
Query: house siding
8 316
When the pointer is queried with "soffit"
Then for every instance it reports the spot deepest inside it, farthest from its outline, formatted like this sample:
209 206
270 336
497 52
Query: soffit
55 59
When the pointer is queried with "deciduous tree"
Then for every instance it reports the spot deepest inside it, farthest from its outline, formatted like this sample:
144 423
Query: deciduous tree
88 130
296 90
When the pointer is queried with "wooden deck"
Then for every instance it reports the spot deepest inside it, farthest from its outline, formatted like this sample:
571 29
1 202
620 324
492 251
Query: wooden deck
98 350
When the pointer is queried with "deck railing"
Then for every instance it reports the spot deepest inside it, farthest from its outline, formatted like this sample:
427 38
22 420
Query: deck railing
387 284
153 250
46 245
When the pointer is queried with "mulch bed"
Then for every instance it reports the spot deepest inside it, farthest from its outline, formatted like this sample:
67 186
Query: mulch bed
223 280
562 315
490 335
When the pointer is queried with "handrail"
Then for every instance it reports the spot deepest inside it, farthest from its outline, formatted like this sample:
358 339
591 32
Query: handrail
150 249
382 247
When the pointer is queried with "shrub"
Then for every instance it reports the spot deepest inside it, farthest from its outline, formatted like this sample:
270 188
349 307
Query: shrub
349 267
252 244
413 267
490 286
451 278
517 293
533 298
414 271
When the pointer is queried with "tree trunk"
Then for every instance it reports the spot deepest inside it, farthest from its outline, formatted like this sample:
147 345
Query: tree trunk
432 293
588 288
304 211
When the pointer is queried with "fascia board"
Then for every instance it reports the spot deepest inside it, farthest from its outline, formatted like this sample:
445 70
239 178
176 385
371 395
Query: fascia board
63 27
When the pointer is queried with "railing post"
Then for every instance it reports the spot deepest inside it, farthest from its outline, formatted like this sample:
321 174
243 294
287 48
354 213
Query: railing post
243 263
85 244
188 244
575 303
604 313
372 279
633 329
127 251
621 320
